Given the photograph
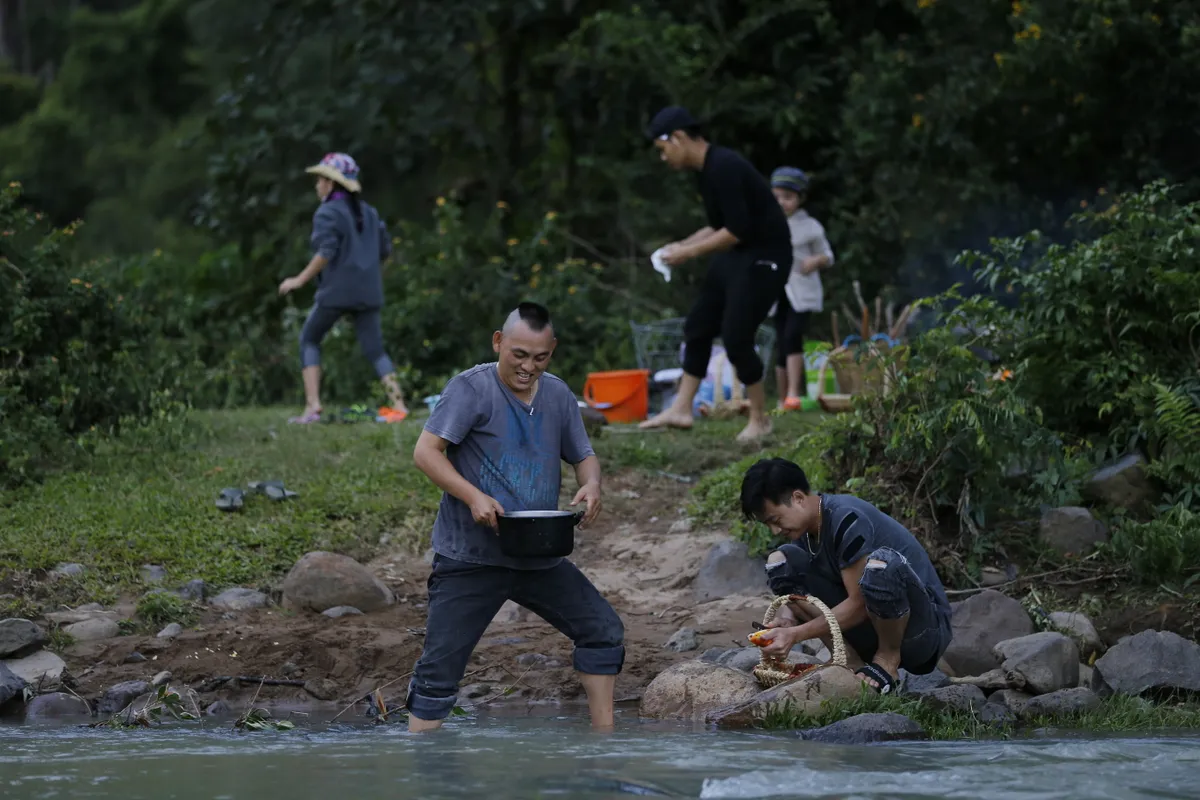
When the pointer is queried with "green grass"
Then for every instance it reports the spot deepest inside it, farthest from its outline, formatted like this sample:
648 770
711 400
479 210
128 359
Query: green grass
1117 714
148 498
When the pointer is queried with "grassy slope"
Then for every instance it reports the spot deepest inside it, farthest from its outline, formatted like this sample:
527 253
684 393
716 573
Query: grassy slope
149 499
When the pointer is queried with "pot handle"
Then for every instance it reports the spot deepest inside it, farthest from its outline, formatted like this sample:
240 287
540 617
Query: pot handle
578 518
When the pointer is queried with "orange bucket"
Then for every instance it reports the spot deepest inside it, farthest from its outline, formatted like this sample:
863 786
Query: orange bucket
621 396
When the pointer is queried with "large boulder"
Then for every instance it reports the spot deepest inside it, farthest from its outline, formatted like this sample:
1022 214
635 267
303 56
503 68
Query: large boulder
728 569
867 728
1071 530
1063 703
57 705
1040 663
691 689
119 696
979 623
322 580
683 640
1080 628
961 697
93 630
1155 662
11 685
20 637
42 670
920 684
1122 483
804 695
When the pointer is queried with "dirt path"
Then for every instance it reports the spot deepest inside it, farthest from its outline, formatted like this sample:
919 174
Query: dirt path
641 554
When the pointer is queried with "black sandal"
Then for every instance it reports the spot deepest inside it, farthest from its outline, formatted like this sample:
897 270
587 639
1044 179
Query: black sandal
887 684
272 489
230 499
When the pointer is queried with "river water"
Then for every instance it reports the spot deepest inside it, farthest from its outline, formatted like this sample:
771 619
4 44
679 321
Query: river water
560 757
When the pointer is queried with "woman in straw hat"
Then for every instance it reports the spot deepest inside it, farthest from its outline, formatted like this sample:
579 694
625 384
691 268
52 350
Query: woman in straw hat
350 243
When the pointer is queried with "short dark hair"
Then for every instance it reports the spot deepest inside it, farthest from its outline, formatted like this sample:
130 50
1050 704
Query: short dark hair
771 479
534 315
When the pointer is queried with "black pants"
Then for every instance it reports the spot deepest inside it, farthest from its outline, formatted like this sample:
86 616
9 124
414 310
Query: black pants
790 327
736 296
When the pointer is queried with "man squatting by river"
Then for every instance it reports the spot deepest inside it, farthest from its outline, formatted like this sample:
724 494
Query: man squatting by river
495 442
867 567
751 247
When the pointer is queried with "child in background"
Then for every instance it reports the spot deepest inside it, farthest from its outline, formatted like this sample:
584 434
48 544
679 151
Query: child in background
803 293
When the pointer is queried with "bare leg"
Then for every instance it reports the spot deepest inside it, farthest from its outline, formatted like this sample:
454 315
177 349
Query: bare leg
760 424
679 415
312 389
599 690
891 635
395 396
417 725
795 375
781 384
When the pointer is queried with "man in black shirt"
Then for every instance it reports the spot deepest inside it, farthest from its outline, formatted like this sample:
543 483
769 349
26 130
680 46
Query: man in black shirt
748 237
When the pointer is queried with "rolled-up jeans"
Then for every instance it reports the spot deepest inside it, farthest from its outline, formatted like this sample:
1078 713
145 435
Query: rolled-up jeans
463 599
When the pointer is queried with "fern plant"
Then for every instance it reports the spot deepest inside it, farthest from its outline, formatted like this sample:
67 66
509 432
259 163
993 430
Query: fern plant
1173 435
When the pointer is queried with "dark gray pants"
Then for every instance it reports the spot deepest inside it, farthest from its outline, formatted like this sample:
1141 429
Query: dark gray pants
368 329
463 599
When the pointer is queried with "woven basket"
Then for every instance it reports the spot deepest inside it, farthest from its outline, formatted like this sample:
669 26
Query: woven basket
858 370
773 671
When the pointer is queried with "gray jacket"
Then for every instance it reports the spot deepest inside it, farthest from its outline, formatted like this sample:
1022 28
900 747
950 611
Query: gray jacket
353 279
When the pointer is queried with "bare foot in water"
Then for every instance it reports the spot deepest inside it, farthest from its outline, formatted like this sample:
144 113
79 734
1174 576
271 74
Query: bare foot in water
755 430
669 419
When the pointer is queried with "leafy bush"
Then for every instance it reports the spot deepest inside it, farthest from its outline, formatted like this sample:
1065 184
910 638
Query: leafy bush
1163 549
72 359
162 607
1099 319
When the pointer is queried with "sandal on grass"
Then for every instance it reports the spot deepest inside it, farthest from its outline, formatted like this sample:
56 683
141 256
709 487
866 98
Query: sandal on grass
887 684
272 489
307 418
230 499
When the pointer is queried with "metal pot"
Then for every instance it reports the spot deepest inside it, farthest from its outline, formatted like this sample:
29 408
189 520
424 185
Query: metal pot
538 534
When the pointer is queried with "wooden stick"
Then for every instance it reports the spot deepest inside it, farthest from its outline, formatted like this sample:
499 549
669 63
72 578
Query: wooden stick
858 295
833 327
877 327
850 320
901 323
866 324
891 316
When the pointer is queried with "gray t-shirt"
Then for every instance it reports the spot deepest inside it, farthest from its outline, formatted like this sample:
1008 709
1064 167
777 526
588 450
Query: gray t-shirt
510 450
851 528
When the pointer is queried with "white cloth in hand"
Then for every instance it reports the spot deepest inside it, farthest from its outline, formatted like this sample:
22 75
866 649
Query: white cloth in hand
661 267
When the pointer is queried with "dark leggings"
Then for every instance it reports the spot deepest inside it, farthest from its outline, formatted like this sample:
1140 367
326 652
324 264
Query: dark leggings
367 327
790 327
735 299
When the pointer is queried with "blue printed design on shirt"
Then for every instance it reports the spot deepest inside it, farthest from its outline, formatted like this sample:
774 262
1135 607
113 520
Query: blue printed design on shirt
516 479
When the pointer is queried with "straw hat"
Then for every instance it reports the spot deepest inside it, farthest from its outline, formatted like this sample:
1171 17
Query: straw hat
339 168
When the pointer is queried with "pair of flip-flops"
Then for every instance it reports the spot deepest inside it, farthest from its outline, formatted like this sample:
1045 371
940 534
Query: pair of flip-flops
232 498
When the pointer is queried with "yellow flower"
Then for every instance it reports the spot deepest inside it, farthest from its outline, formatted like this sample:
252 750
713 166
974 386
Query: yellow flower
536 268
551 214
513 242
87 286
1017 8
76 281
502 205
441 256
1035 30
917 120
157 252
441 201
926 3
561 267
572 290
14 184
533 283
428 343
1107 22
999 58
596 265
